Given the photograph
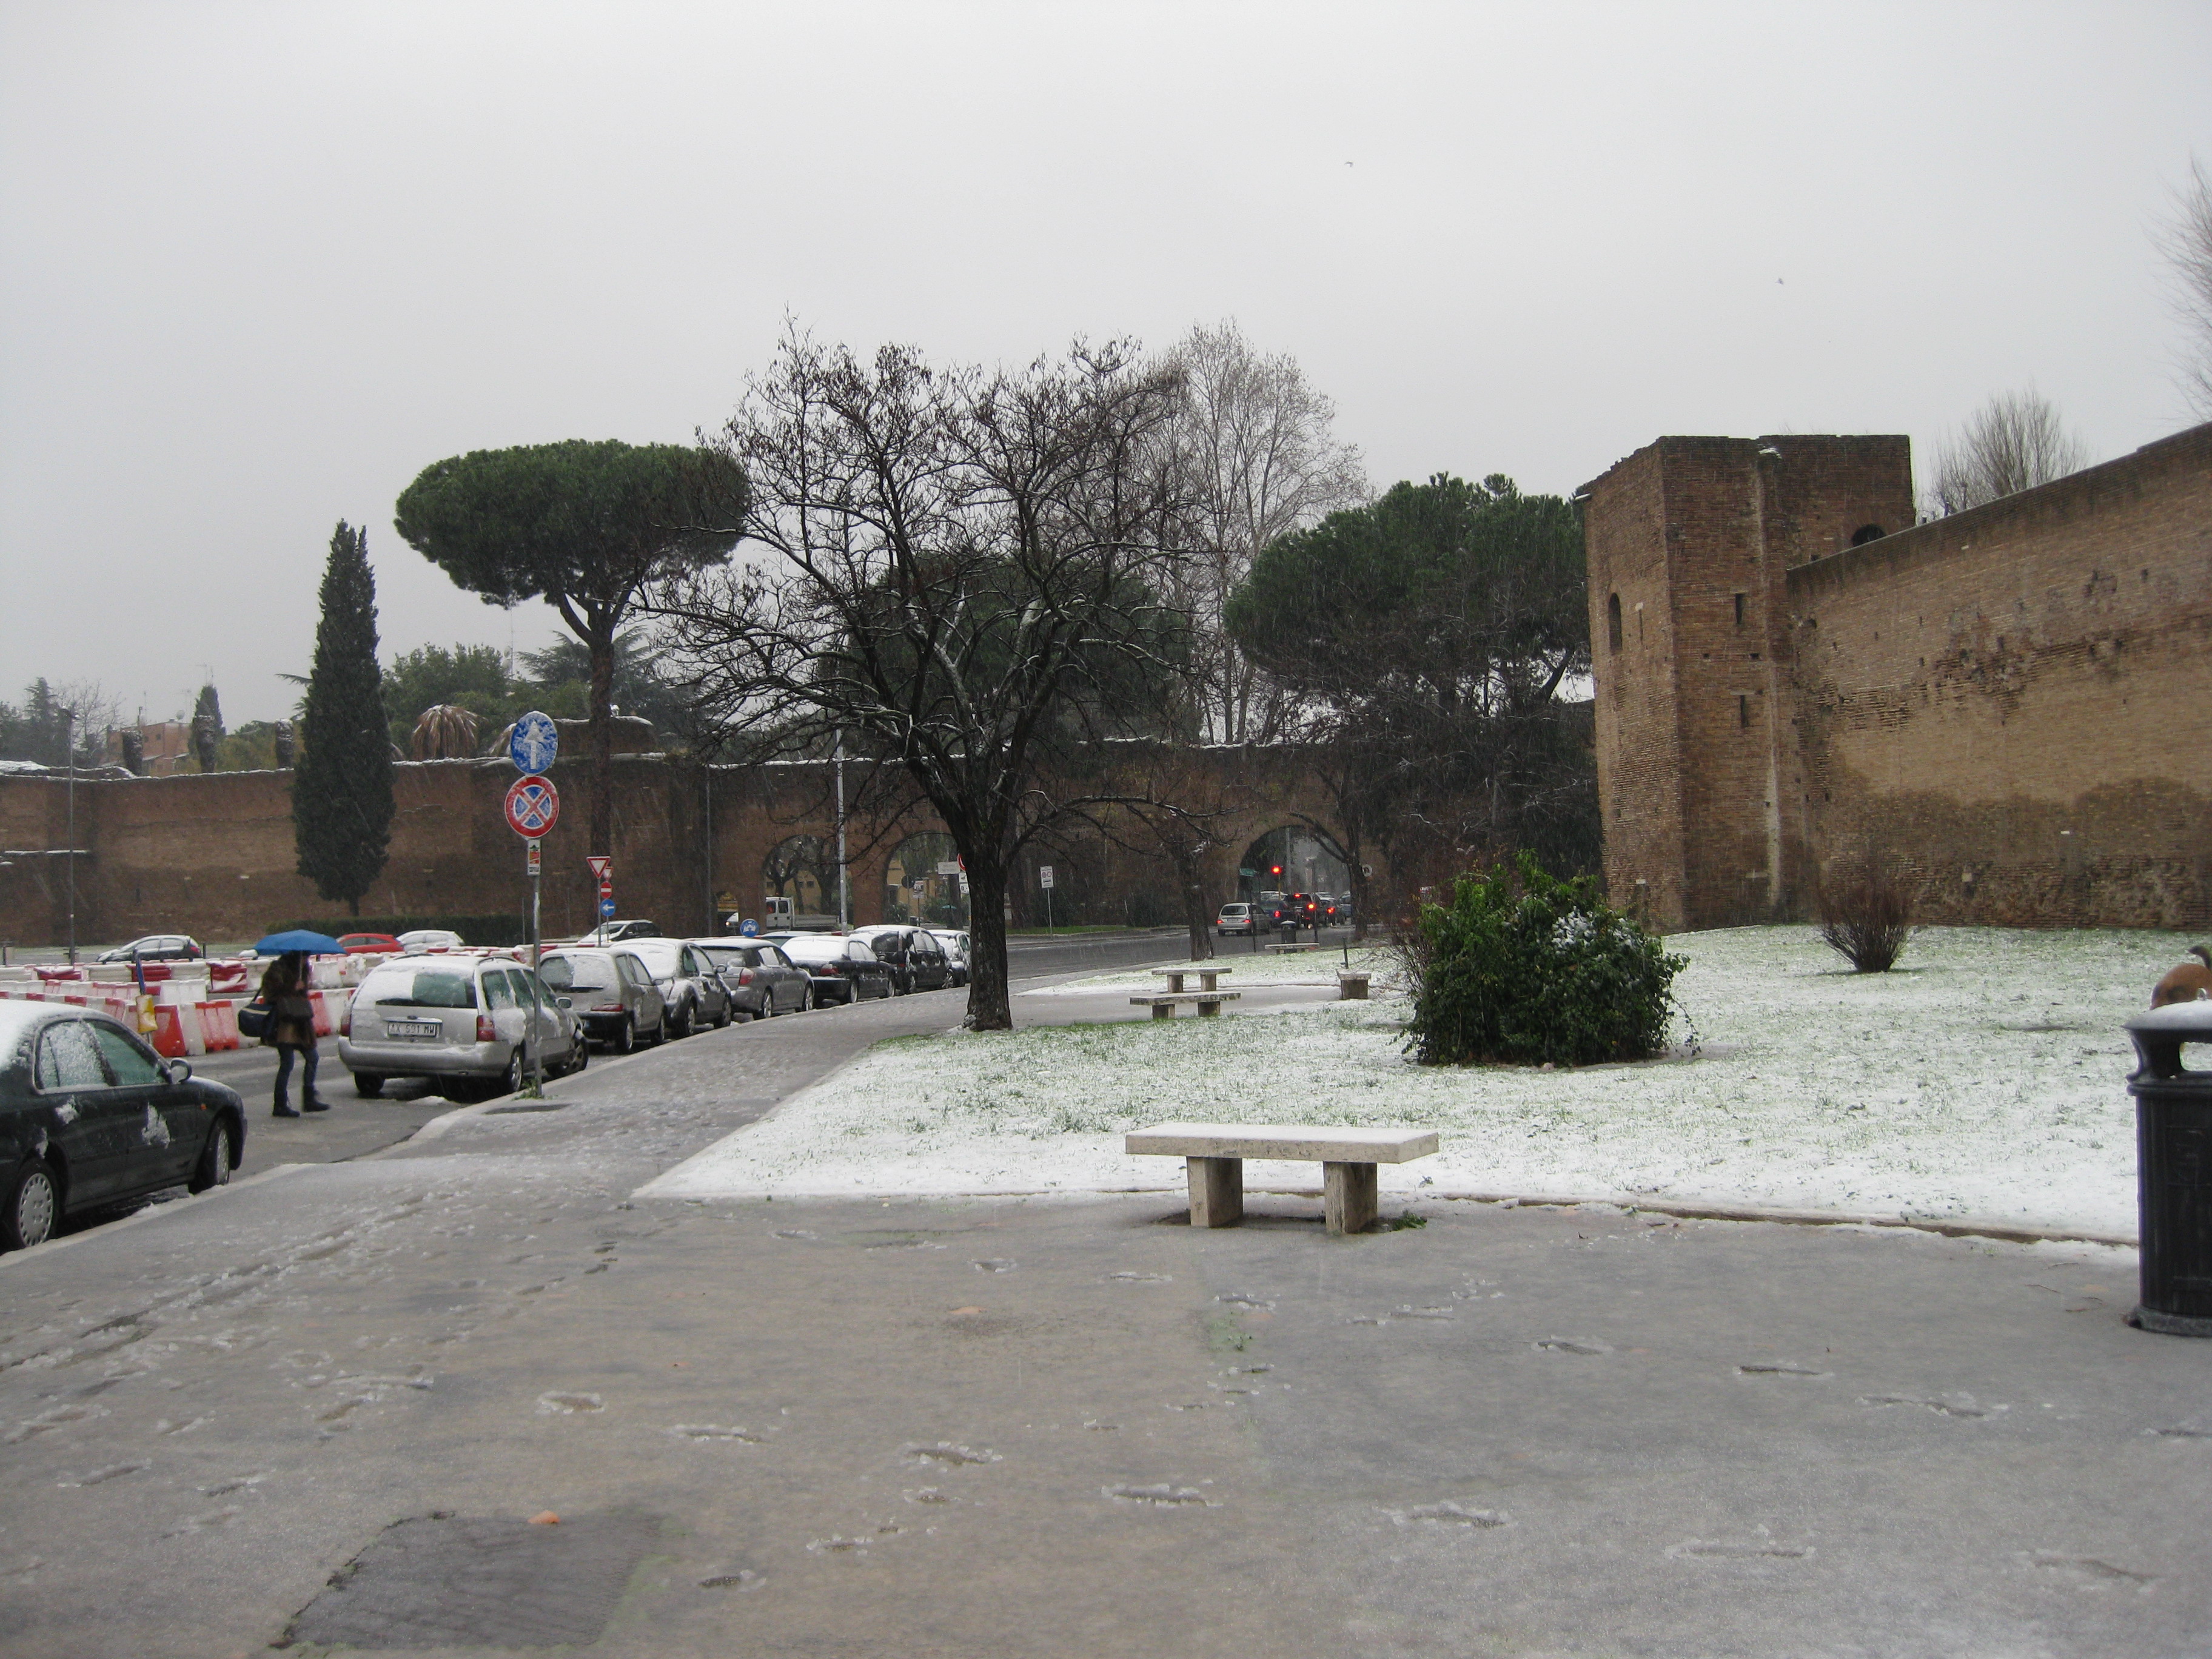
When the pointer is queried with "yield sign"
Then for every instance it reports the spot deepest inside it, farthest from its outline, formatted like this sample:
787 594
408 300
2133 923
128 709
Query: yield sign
601 866
533 806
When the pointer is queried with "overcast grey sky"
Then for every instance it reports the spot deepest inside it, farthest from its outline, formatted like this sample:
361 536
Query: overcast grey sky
263 263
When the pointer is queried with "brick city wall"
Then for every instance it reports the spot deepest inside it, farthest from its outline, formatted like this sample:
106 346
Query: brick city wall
2013 702
213 856
2003 704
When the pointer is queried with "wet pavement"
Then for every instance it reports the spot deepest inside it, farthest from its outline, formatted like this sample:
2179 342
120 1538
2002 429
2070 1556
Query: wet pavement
326 1404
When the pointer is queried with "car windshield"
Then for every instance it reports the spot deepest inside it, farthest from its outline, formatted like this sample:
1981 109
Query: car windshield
422 987
577 973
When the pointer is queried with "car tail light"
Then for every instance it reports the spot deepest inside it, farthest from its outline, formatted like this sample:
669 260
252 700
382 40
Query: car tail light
345 1022
606 1007
486 1031
745 975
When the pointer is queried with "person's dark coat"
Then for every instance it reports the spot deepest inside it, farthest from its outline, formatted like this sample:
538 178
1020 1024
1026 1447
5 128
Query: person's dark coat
291 1015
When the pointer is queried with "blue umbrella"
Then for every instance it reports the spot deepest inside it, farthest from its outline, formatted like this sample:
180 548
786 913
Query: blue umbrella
299 939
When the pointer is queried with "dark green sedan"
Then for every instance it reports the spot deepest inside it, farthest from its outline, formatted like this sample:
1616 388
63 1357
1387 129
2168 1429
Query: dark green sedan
90 1117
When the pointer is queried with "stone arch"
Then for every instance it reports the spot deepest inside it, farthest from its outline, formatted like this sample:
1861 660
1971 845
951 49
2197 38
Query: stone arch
913 891
804 870
1306 866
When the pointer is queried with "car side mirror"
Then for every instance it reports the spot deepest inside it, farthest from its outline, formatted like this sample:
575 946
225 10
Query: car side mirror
177 1071
565 1002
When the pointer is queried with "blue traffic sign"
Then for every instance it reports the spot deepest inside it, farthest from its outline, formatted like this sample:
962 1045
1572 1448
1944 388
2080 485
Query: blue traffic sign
748 927
606 907
534 743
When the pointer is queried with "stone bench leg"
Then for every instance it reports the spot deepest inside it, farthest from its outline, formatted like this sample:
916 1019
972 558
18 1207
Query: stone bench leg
1216 1190
1347 1196
1208 1010
1163 1011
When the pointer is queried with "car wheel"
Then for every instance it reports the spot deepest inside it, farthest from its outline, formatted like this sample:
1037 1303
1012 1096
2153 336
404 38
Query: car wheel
34 1206
510 1081
214 1168
729 1012
368 1085
806 998
579 1055
626 1035
680 1027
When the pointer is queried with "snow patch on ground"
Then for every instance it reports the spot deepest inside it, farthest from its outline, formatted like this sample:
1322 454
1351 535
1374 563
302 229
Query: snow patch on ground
1983 1080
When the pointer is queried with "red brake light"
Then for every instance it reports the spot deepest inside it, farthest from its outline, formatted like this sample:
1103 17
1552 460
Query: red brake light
345 1020
486 1032
745 975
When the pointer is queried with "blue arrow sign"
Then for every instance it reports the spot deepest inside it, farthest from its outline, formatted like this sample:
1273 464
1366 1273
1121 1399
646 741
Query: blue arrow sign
606 907
534 743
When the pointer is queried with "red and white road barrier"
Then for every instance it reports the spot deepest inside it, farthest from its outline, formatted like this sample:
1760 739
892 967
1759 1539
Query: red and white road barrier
219 1024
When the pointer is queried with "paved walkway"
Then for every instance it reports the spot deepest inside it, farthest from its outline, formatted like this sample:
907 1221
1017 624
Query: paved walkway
1071 1427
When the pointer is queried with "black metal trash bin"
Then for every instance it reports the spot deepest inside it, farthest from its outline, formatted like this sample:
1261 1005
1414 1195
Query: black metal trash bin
2173 1170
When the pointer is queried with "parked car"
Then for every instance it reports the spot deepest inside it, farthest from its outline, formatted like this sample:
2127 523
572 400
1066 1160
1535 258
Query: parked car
157 947
611 992
843 968
1234 919
956 946
693 993
430 938
461 1022
369 945
90 1116
1273 909
916 960
617 932
762 982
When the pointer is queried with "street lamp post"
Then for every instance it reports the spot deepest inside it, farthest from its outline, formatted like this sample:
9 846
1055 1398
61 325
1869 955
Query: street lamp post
68 759
844 896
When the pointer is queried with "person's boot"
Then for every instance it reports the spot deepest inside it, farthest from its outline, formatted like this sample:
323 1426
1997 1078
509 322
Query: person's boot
285 1109
316 1105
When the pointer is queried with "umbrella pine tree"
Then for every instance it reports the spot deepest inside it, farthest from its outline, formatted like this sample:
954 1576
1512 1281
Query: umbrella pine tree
342 790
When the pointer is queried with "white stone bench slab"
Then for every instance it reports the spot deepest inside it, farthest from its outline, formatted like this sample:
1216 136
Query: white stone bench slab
1214 1155
1209 976
1352 986
1163 1003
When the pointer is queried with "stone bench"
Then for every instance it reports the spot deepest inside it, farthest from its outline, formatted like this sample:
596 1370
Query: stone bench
1214 1155
1286 949
1163 1003
1351 987
1209 976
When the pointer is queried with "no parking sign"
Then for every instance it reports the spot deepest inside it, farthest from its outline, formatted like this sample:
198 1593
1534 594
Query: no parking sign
533 806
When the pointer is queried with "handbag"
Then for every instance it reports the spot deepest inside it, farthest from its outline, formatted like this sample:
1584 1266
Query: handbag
253 1020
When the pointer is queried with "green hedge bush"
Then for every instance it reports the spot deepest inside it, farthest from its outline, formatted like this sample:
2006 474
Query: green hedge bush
1524 968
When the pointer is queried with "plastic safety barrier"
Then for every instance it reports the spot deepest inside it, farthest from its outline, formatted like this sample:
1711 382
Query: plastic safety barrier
219 1024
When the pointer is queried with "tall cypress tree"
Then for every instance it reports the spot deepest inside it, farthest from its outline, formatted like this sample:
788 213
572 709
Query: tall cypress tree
342 790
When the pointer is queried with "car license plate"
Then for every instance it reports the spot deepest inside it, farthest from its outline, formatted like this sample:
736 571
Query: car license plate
413 1028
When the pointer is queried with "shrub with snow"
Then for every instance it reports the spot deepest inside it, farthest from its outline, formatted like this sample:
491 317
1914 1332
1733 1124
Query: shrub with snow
1523 966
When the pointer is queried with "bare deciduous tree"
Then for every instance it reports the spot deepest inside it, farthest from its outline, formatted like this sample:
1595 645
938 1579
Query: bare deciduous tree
2013 442
2186 241
1253 442
960 571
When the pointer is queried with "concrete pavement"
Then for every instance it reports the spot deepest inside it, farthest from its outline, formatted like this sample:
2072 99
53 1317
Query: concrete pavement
1061 1427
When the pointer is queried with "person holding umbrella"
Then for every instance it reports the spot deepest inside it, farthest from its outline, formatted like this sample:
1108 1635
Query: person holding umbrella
291 1028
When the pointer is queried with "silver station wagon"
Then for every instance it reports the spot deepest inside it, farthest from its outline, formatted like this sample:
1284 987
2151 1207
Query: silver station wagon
460 1021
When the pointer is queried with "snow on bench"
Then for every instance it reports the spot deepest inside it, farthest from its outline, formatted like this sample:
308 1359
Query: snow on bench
1214 1155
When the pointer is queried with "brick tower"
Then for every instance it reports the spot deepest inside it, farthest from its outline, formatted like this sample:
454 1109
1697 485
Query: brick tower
1697 768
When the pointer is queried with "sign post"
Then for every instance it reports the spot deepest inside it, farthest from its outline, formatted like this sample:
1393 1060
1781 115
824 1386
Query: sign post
1044 880
533 806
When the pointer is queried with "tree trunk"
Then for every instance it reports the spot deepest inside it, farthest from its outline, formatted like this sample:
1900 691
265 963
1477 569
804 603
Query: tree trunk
990 1006
602 647
1190 875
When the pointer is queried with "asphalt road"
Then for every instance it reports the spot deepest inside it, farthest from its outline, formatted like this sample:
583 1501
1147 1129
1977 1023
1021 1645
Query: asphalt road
323 1405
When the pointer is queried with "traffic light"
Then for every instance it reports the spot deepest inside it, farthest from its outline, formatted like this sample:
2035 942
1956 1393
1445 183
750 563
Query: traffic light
1275 869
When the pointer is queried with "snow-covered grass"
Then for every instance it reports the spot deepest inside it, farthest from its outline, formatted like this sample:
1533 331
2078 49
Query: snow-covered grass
1982 1080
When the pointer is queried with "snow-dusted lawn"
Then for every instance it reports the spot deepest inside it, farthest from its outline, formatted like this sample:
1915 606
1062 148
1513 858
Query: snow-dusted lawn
1982 1080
